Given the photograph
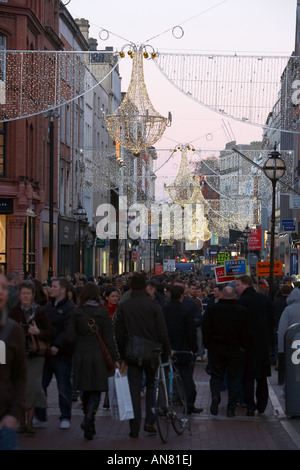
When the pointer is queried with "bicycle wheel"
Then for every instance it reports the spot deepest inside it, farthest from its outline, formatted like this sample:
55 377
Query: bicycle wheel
179 415
161 410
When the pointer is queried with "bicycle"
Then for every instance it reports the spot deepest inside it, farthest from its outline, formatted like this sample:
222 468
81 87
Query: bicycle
170 398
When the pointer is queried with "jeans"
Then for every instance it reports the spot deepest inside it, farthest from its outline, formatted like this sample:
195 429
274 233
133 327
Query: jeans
8 439
61 367
201 349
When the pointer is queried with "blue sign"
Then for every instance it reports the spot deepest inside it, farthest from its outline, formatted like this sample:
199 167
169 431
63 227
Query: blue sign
289 228
287 222
288 225
235 267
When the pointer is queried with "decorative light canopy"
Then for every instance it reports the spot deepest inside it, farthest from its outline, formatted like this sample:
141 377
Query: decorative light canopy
136 125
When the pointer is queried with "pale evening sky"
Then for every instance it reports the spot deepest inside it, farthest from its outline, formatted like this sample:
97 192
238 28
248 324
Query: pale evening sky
221 26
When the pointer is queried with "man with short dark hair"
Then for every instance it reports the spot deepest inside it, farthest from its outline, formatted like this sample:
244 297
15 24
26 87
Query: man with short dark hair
139 315
59 363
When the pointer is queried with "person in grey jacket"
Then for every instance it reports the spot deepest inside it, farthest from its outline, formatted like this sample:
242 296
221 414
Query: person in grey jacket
289 316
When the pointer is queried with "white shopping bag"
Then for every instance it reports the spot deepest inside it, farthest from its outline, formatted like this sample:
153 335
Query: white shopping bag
119 397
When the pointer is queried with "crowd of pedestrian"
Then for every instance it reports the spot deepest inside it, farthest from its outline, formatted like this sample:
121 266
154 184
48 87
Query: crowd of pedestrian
236 328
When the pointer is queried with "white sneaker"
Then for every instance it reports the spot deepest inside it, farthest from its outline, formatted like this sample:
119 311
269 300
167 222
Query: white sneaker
64 424
39 424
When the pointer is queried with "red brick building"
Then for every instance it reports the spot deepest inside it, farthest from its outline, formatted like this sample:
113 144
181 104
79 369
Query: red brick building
24 144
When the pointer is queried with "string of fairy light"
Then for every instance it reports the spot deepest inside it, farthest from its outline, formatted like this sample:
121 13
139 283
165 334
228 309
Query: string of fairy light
34 81
229 209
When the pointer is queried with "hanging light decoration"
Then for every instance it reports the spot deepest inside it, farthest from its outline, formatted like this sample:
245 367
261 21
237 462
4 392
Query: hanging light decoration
136 125
186 188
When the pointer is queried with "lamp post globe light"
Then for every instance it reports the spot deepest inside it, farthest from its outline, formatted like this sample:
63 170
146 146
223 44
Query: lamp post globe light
80 214
274 168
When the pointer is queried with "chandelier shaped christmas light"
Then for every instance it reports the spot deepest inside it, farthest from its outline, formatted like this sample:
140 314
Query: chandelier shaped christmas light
136 125
185 189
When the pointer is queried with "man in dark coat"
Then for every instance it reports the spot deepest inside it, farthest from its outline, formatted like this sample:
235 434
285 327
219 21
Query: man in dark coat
59 362
194 318
182 338
257 357
139 315
226 337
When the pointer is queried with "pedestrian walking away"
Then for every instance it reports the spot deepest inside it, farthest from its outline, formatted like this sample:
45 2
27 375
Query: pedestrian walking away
226 337
257 356
182 338
143 317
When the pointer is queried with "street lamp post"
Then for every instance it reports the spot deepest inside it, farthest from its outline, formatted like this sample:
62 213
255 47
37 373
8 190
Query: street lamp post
80 215
51 203
274 169
246 235
51 115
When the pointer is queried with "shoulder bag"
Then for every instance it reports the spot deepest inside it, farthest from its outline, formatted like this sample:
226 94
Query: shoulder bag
35 345
140 349
109 362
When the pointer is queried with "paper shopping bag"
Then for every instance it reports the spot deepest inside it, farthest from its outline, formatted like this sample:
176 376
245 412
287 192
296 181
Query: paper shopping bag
119 393
112 395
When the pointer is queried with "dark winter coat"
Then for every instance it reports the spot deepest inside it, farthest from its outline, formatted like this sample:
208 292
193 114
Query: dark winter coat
191 307
260 319
143 317
40 318
13 374
225 326
181 330
90 373
279 304
59 315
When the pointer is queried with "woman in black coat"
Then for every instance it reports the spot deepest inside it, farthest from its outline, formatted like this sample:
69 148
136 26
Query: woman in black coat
90 372
33 319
